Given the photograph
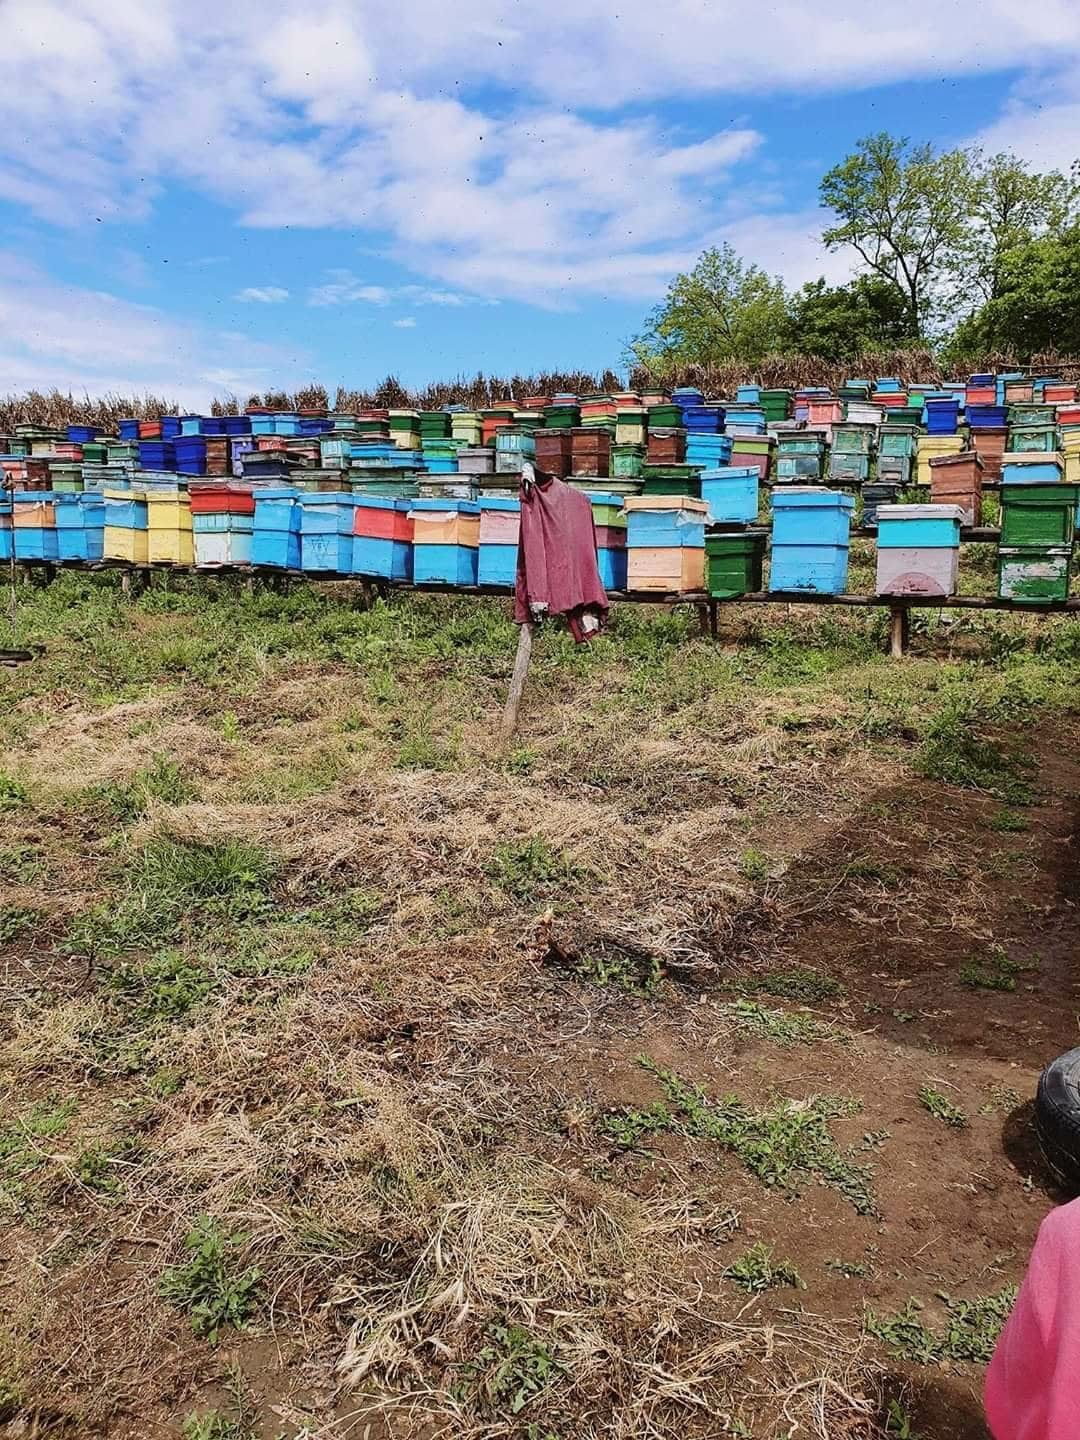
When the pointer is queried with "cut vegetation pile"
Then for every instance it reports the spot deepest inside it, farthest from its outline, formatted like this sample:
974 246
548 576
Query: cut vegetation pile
664 1076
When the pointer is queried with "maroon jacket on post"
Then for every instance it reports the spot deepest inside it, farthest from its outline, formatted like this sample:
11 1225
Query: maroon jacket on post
556 567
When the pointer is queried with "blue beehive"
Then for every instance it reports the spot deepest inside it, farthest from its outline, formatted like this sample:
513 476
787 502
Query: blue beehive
941 416
81 434
382 538
1031 467
191 425
80 526
129 429
236 424
708 450
276 533
930 527
981 417
748 394
611 564
157 455
190 453
326 538
126 510
170 427
666 527
731 492
5 528
811 534
446 540
704 419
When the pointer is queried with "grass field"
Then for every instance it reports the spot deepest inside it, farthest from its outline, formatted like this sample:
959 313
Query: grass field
666 1076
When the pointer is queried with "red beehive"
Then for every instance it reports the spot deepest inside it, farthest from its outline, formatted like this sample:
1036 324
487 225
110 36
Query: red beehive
553 452
221 497
590 451
980 395
490 425
666 447
149 429
1059 394
217 455
957 480
989 443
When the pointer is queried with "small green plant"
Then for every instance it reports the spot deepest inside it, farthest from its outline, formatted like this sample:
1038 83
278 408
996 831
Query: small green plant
24 1147
210 1287
784 1147
13 793
1003 1099
955 753
899 1423
213 1425
782 1026
513 1368
128 800
20 864
753 864
758 1270
995 972
799 983
161 989
942 1108
521 761
165 1082
528 868
1009 822
970 1330
850 1269
230 727
16 922
96 1166
865 868
10 1399
610 964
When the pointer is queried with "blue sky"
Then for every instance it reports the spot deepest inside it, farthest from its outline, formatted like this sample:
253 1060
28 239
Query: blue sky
200 198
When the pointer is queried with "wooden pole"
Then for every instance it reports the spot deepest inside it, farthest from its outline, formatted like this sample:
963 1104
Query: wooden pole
899 631
517 681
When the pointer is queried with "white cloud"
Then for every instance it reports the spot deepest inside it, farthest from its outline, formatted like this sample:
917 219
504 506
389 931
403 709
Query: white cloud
87 340
1040 121
406 323
323 115
263 294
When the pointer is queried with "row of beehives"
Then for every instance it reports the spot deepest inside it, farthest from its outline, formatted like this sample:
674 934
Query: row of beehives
644 543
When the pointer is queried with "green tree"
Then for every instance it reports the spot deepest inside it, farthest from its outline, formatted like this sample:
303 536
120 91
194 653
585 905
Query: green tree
838 322
904 209
1036 306
1010 206
722 309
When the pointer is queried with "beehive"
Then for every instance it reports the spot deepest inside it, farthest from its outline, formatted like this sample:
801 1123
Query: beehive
665 541
275 539
918 549
734 562
500 529
810 540
957 480
731 493
446 538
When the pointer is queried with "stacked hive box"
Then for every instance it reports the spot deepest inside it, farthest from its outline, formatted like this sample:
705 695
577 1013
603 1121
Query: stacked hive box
930 447
810 540
590 450
665 540
875 494
170 533
851 452
446 539
125 535
989 443
735 558
500 527
222 519
382 538
553 451
6 549
326 531
708 450
800 457
918 549
80 526
34 525
275 539
958 480
671 480
731 493
756 450
609 526
1038 523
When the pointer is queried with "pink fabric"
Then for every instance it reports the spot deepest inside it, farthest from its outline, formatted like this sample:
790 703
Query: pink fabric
1033 1384
556 565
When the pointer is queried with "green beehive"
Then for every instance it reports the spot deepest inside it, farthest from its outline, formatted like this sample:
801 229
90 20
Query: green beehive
733 563
1031 414
1038 515
1029 438
434 424
627 460
800 467
607 512
904 415
848 465
562 417
800 443
897 440
664 417
67 478
1033 574
671 480
852 438
776 405
95 452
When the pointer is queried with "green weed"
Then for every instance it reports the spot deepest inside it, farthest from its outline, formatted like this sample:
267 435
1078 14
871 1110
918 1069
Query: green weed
955 753
213 1425
160 990
1003 1100
970 1330
753 865
798 983
25 1148
899 1423
782 1026
784 1148
526 869
996 972
865 868
13 793
521 761
229 725
758 1271
129 800
513 1368
638 972
627 1127
850 1269
20 864
1009 822
16 922
213 1291
96 1166
942 1108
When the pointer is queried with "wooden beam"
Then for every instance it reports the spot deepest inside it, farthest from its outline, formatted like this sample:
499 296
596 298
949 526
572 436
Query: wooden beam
517 681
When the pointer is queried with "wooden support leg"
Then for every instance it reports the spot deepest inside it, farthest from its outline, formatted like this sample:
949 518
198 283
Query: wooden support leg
899 631
125 583
517 682
714 619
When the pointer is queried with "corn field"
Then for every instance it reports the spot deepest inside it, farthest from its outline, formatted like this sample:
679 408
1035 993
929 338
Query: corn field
790 372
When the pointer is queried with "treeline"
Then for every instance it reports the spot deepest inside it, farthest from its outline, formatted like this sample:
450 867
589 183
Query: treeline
956 253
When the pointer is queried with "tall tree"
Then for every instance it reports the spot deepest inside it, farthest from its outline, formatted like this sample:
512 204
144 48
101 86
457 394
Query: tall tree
904 210
1010 206
1036 306
722 309
838 322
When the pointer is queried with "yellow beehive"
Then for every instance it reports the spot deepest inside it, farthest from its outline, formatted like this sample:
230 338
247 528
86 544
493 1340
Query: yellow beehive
170 547
666 569
933 446
122 543
169 529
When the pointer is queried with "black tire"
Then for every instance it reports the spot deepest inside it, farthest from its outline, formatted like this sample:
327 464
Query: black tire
1057 1117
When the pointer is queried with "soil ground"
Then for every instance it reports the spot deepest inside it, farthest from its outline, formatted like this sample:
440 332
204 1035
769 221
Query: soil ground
286 942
